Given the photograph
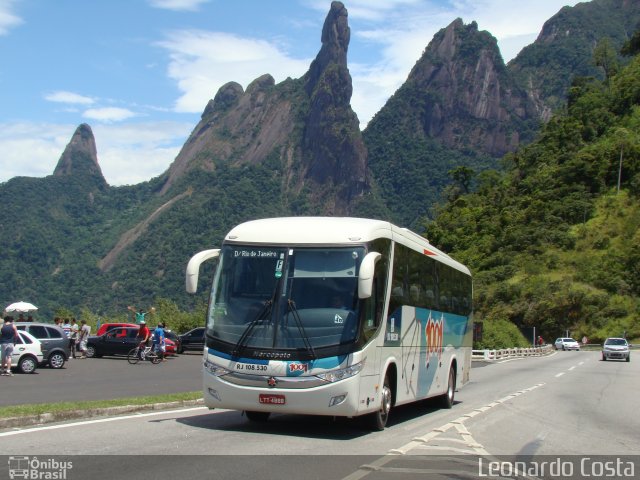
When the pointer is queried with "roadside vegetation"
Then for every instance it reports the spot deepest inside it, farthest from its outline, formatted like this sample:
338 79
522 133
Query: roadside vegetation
553 239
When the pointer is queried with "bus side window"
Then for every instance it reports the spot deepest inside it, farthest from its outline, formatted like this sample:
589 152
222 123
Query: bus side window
370 325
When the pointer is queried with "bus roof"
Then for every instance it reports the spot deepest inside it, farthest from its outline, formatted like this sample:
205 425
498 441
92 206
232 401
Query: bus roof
291 231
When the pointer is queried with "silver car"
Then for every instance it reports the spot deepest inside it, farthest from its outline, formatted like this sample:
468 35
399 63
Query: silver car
566 344
55 343
616 348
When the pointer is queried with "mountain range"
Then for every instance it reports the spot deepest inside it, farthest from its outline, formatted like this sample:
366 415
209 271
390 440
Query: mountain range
293 148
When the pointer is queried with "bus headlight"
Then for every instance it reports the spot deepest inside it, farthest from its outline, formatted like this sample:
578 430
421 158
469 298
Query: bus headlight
337 375
214 369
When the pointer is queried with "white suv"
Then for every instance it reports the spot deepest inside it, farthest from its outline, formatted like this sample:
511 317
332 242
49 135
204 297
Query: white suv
27 353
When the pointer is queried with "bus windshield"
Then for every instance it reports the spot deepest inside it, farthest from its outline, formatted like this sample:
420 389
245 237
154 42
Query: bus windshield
285 298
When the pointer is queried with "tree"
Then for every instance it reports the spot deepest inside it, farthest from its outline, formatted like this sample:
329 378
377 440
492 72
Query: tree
632 46
463 175
604 56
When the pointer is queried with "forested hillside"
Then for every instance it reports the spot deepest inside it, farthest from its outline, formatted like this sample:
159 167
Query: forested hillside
554 239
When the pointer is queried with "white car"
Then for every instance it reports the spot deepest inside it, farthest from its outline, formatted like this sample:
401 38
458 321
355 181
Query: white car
27 353
616 348
566 344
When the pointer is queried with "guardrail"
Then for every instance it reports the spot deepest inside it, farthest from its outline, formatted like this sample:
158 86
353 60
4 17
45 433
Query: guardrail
511 353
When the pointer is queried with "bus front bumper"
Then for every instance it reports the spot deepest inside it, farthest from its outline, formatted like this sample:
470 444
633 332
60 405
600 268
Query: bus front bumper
339 398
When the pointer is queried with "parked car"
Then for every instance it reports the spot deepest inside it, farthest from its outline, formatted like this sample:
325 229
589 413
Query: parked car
566 344
55 343
192 340
616 348
172 341
108 326
27 353
119 341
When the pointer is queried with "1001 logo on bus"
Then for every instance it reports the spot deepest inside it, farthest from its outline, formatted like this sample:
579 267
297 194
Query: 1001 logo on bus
433 332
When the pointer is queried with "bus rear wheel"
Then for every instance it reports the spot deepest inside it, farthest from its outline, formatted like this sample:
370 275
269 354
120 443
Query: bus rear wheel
378 420
257 416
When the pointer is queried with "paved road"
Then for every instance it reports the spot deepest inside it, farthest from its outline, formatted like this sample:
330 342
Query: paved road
569 403
103 378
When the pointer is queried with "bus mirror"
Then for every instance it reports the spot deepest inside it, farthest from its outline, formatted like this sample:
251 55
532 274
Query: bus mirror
193 268
367 269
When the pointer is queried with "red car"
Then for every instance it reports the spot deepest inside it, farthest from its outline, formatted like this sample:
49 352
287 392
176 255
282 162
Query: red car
108 326
170 347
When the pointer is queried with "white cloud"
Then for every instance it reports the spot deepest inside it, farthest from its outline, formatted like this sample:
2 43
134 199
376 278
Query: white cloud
127 154
31 149
201 62
108 114
68 97
8 19
130 154
177 5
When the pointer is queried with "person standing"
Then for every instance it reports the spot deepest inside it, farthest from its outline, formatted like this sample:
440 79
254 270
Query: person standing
85 331
73 337
158 341
66 326
8 335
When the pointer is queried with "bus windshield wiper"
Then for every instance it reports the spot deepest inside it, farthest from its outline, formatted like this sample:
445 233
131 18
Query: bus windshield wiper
303 334
263 314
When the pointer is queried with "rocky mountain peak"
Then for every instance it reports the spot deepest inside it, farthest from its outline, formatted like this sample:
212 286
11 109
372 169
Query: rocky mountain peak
335 151
335 43
80 157
471 100
307 124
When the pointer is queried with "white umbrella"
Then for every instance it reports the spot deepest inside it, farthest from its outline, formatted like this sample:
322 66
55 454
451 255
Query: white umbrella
21 307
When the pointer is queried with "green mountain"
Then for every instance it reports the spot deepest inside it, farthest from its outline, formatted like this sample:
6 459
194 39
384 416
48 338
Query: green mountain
462 108
458 108
288 149
554 238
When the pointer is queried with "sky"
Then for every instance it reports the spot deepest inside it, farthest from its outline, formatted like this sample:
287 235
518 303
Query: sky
141 72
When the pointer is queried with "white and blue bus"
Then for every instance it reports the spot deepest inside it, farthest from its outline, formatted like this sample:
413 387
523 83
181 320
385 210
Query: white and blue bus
332 316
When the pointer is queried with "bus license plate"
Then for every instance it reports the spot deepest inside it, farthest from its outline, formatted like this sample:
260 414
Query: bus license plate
272 399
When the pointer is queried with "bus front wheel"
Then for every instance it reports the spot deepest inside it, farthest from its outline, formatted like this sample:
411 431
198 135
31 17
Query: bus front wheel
378 420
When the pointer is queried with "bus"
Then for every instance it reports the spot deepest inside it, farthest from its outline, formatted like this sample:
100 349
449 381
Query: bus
344 317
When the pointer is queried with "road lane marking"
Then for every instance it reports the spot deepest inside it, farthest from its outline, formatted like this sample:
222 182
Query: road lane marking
571 368
424 442
559 374
99 420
